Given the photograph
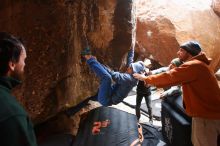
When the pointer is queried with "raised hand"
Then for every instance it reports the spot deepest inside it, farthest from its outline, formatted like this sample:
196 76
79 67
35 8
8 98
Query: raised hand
138 76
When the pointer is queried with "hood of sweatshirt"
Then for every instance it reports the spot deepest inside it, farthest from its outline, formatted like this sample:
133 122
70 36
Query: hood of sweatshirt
202 57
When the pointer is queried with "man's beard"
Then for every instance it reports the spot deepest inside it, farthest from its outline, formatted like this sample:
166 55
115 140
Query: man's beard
19 75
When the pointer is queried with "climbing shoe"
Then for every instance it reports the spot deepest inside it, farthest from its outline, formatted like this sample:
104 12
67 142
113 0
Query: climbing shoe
84 52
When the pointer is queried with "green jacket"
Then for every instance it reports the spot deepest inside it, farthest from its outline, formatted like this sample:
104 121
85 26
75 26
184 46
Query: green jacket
16 128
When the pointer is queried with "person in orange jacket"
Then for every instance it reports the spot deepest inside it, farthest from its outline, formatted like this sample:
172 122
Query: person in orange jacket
201 93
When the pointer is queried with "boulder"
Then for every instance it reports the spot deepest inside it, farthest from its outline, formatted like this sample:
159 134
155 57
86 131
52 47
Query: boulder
163 26
54 30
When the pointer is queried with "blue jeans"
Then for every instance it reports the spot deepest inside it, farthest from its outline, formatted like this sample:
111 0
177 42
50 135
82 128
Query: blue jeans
105 89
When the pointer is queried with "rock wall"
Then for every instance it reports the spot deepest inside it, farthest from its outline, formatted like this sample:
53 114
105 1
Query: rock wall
163 25
53 32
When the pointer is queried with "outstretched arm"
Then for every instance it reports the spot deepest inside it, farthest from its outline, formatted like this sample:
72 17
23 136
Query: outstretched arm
140 77
130 57
176 76
173 91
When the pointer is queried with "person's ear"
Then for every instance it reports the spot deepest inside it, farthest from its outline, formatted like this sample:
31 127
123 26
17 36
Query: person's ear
11 65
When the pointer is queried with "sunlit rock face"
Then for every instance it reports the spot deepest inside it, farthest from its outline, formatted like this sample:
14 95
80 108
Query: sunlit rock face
216 6
162 25
53 32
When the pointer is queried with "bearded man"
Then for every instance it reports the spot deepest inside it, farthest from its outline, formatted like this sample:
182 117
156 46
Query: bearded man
15 125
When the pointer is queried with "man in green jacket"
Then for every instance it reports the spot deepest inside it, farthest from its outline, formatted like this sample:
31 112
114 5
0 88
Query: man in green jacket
15 126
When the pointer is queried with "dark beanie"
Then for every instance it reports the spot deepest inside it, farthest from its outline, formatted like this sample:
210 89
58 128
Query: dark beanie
192 47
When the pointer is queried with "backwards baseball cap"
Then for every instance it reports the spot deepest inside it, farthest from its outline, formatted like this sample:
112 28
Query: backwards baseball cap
138 67
192 47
